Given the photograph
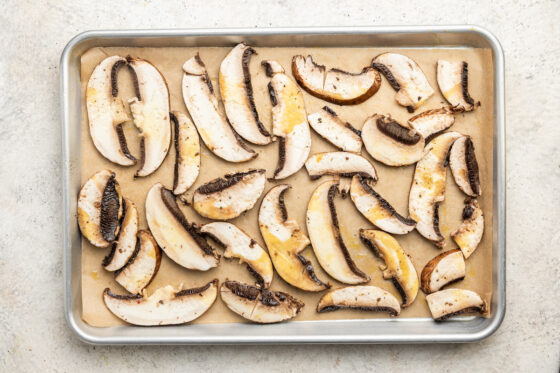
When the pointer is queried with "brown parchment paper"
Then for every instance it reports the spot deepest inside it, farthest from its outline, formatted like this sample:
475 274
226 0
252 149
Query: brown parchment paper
394 183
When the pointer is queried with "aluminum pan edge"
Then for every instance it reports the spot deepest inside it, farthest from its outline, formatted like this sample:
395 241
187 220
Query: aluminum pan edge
307 331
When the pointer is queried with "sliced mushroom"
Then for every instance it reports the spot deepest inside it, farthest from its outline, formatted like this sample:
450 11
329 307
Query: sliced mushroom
259 305
289 121
406 77
106 112
428 187
111 210
165 306
227 198
469 234
210 121
324 232
122 250
464 167
398 266
179 239
453 81
452 302
364 298
286 241
150 112
376 209
187 150
442 270
333 129
238 245
237 94
100 208
344 164
335 85
432 122
391 143
142 266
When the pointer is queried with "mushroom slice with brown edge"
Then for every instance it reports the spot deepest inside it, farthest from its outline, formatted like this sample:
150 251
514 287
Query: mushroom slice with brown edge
406 77
228 197
237 94
326 239
289 121
142 266
187 150
364 298
100 208
447 303
398 266
469 233
428 187
453 81
376 209
335 85
442 270
179 239
391 143
259 305
432 122
286 241
123 249
464 167
339 163
333 129
238 245
106 112
166 306
210 121
150 112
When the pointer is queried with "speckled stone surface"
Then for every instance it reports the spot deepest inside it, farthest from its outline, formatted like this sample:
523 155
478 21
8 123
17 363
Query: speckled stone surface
33 332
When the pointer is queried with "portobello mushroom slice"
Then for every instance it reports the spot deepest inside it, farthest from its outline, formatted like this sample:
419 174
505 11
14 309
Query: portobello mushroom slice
364 298
179 239
166 306
123 249
142 266
391 143
406 77
464 167
469 233
289 121
100 208
210 121
398 266
376 209
239 245
333 129
442 270
187 150
150 113
335 85
237 94
228 197
432 122
453 82
106 112
428 187
447 303
327 242
259 305
344 164
286 241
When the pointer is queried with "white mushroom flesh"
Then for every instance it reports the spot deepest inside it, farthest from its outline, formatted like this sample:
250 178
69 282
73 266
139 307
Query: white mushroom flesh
339 133
450 302
469 234
364 298
339 163
187 149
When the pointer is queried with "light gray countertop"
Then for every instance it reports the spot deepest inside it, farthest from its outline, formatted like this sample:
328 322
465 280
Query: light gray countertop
33 332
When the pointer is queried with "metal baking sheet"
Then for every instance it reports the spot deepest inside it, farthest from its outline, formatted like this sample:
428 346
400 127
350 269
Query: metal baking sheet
400 330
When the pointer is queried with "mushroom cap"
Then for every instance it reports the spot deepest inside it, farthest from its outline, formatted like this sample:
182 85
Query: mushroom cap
187 153
444 269
123 249
333 129
364 298
344 164
447 303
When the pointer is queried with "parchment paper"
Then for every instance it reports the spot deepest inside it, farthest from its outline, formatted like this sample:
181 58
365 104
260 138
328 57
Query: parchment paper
393 184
